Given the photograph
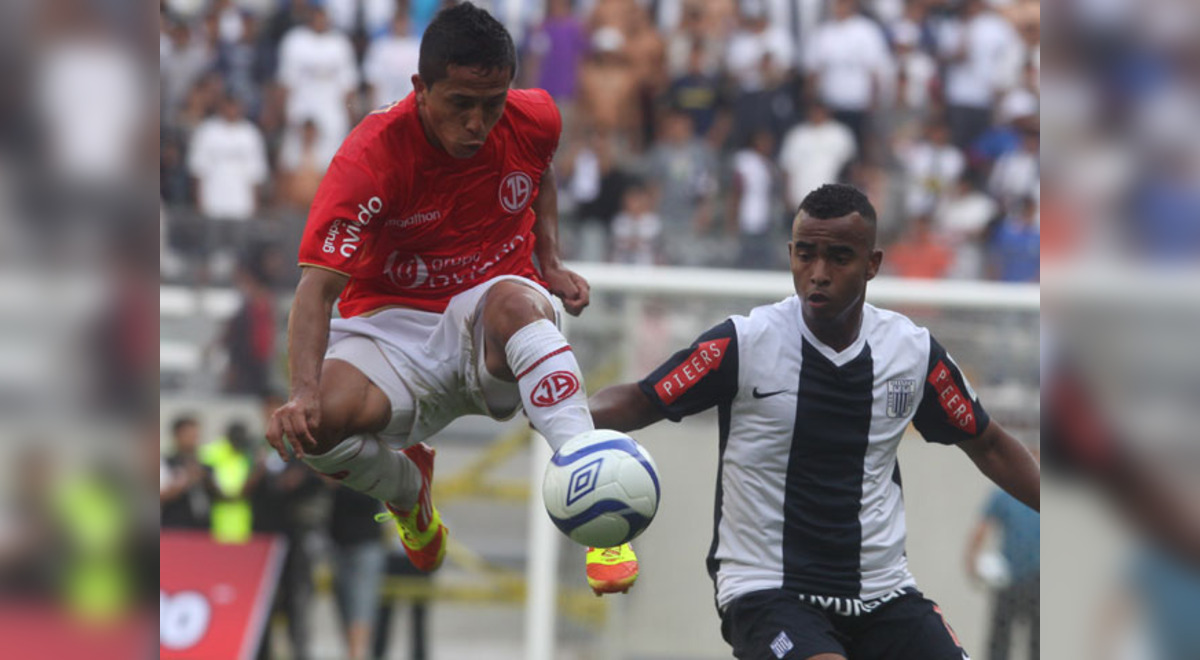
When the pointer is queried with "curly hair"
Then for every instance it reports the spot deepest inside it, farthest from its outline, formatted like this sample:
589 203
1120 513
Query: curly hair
465 35
834 200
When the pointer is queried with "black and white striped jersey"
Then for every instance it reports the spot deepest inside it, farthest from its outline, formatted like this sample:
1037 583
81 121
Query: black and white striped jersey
808 494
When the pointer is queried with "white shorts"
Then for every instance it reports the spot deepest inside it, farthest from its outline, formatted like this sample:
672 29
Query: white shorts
429 365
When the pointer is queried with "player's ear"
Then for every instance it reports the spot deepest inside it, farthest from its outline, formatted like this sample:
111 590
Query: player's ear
873 263
419 87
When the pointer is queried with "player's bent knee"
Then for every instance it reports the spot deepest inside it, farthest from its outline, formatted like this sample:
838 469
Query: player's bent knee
350 404
510 306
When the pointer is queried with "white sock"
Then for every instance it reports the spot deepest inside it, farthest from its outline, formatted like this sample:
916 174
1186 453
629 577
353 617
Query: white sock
364 463
551 386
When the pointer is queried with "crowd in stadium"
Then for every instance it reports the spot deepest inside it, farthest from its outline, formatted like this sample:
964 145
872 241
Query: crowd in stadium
691 129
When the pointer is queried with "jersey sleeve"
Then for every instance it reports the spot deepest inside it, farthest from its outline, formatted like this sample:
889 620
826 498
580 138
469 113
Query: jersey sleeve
344 218
698 377
950 412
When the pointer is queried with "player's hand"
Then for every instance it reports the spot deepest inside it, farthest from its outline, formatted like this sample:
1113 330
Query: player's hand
293 424
570 287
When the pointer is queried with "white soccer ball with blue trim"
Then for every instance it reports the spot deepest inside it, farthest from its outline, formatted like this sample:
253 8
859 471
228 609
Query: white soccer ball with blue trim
601 488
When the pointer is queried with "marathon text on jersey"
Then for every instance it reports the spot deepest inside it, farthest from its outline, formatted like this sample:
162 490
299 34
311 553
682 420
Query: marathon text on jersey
958 408
704 359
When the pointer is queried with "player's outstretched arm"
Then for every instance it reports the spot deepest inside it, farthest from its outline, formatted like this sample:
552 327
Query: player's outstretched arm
1004 460
308 336
623 408
564 283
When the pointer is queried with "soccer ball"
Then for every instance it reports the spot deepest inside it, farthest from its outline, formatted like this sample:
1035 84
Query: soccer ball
601 488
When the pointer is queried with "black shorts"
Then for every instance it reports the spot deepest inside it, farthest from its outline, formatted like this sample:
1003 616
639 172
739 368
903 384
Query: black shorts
774 625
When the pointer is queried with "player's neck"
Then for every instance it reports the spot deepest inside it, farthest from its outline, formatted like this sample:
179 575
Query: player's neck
837 333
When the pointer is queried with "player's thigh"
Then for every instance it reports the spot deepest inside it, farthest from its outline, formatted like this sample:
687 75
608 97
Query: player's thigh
910 627
350 404
774 625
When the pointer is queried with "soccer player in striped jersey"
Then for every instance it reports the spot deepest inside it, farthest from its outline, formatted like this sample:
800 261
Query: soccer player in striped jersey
814 394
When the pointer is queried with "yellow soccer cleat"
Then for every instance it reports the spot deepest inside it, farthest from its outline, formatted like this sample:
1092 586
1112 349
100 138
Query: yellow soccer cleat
421 529
611 570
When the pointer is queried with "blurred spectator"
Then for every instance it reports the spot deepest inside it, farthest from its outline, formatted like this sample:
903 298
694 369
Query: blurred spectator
756 41
1016 582
637 230
691 34
301 166
684 169
849 66
237 471
814 153
1017 174
916 75
228 158
1014 252
81 58
647 53
771 106
555 52
962 217
920 253
317 69
1167 227
596 186
249 336
932 165
701 95
359 557
30 539
371 18
183 59
753 216
185 492
1016 114
982 53
390 63
608 89
243 63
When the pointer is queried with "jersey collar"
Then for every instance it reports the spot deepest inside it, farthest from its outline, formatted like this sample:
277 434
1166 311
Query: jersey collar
838 358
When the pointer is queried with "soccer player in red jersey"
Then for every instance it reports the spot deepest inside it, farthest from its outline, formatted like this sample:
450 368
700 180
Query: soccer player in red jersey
425 227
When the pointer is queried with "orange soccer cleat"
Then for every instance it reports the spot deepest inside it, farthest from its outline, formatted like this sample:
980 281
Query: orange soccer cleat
421 529
611 570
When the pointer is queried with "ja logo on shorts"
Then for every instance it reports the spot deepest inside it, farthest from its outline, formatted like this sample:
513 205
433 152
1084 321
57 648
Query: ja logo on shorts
554 388
515 191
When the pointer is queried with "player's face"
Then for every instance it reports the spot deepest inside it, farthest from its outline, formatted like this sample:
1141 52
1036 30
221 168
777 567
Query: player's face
460 110
832 260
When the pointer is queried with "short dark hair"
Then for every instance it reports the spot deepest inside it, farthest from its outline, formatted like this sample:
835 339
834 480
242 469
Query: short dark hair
182 422
835 200
465 35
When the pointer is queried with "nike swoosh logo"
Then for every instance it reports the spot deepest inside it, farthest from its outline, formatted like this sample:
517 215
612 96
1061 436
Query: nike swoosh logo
763 395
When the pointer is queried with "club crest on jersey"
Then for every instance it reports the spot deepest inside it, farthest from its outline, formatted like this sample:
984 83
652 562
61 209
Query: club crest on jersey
900 396
515 191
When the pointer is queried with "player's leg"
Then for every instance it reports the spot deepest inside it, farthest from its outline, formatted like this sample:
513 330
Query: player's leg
910 627
354 409
774 625
522 343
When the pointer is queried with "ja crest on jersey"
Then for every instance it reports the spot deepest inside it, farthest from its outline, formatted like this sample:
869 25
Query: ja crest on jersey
901 394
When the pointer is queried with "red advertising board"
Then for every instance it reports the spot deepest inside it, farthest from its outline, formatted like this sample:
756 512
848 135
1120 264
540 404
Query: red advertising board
214 598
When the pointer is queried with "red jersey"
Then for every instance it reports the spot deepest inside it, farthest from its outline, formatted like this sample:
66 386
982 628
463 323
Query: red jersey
413 226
